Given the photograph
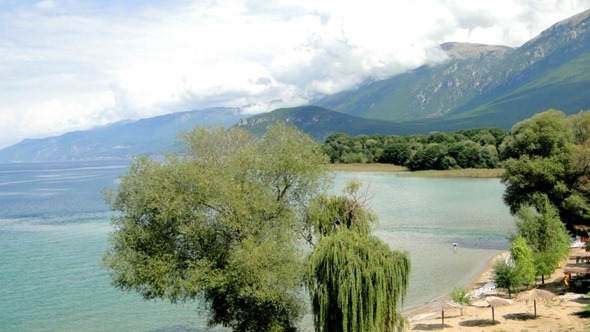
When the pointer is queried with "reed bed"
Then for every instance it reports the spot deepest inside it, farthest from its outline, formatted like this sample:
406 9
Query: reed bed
484 173
372 167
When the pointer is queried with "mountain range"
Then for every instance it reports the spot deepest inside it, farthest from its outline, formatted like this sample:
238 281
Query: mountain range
483 84
156 135
476 86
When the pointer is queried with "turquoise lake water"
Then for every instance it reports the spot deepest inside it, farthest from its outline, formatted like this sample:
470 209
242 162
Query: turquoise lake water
54 226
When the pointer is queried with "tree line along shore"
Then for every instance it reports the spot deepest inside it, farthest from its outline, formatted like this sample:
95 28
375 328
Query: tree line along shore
470 148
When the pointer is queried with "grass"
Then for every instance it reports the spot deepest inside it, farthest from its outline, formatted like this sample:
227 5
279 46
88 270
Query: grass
484 173
360 167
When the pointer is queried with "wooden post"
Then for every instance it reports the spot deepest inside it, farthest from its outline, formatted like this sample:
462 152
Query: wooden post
493 317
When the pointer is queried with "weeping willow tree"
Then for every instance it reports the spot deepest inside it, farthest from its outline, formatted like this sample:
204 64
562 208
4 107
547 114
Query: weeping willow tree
356 282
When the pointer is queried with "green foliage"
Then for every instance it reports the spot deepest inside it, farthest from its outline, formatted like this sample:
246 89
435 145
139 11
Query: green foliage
527 176
580 124
461 295
545 234
396 153
506 276
549 154
544 135
220 222
522 255
473 148
356 282
327 214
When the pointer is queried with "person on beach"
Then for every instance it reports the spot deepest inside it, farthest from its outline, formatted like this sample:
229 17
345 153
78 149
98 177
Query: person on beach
455 246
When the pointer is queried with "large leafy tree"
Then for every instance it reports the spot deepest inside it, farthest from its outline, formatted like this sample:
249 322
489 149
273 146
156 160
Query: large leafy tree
550 154
537 151
221 222
356 282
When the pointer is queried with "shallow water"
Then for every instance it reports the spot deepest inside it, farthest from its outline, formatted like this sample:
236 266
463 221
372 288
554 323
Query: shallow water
425 216
54 226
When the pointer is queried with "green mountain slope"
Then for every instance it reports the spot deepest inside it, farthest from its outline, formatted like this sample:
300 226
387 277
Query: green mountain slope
320 122
550 71
565 88
485 85
427 92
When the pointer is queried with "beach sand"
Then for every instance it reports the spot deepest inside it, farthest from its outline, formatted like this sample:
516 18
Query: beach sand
563 313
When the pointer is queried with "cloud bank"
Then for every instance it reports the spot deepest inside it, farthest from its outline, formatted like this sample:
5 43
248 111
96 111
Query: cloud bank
68 65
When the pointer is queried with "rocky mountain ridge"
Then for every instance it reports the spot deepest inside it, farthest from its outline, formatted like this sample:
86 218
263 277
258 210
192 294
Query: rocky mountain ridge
476 78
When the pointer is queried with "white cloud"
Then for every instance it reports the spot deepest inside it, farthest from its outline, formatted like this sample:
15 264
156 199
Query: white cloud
68 65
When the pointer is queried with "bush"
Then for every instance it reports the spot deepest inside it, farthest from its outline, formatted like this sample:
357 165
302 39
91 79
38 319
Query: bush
506 276
461 295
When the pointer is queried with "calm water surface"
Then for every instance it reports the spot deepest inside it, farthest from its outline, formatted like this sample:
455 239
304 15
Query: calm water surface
54 226
425 216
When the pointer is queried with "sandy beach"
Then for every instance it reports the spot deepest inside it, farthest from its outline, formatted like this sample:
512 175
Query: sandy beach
562 313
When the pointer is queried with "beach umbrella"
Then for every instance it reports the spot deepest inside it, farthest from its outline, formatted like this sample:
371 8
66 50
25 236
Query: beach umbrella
535 295
492 301
444 305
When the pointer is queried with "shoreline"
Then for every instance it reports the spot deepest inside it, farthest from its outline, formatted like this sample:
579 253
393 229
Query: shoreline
480 280
481 173
565 311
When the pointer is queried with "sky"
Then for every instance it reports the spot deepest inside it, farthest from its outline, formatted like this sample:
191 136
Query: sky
70 65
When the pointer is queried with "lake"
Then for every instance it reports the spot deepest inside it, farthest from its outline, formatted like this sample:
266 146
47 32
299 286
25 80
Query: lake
54 226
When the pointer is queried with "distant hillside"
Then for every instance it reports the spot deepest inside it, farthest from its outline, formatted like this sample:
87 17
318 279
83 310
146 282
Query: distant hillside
119 140
320 122
427 92
482 85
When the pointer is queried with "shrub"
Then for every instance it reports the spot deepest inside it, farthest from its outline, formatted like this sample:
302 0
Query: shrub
461 295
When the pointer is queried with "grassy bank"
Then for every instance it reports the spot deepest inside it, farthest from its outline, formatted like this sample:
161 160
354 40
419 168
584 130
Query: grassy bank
459 173
453 173
360 167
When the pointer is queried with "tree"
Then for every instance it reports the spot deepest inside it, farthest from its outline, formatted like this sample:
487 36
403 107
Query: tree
550 154
545 234
522 255
328 213
429 157
527 176
396 153
335 145
506 275
544 135
221 222
468 157
356 282
580 124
